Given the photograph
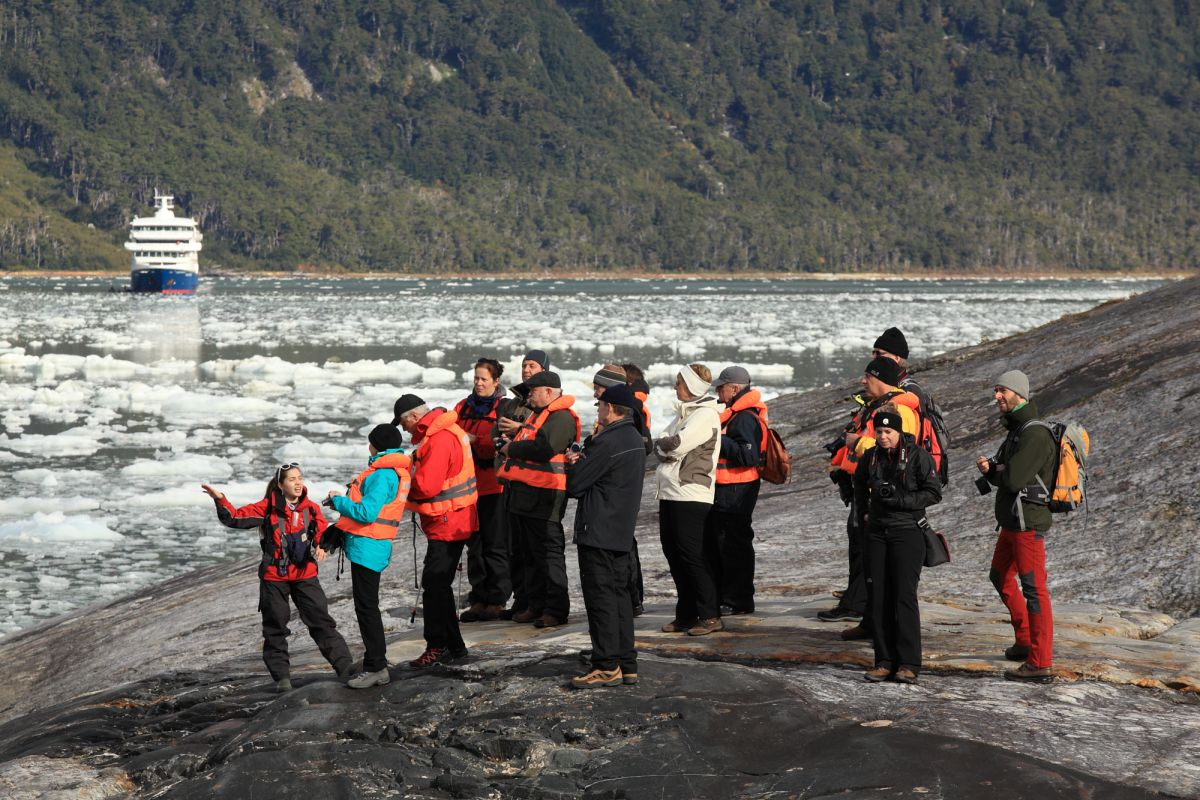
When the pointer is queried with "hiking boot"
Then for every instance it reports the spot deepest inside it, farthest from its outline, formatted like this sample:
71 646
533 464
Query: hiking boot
472 613
675 626
346 670
457 654
838 614
704 627
629 678
638 610
733 611
431 656
855 633
838 594
368 679
598 677
548 621
283 685
525 616
905 675
1018 652
1032 674
878 674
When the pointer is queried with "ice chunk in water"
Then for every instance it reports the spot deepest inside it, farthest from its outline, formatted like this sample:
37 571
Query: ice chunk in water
55 528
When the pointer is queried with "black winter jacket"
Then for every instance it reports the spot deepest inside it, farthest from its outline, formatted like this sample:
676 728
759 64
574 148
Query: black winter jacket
909 470
607 480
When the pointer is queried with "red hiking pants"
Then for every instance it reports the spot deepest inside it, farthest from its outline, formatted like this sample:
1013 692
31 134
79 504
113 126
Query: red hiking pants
1019 575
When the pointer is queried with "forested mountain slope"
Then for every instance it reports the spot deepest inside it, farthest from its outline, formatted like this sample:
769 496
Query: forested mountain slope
680 134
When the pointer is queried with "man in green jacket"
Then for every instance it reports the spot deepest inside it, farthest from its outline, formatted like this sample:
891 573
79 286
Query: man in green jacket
1021 470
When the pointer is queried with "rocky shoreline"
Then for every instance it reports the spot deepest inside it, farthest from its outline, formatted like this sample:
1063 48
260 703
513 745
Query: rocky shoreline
179 707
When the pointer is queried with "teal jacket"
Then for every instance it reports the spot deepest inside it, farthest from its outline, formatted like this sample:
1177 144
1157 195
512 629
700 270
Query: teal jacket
378 490
1033 455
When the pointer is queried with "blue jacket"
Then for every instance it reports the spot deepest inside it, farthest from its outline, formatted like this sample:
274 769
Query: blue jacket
378 490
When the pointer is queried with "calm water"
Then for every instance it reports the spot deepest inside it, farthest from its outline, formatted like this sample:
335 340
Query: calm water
114 407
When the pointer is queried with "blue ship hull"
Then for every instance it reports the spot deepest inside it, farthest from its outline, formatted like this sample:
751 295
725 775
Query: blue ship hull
163 281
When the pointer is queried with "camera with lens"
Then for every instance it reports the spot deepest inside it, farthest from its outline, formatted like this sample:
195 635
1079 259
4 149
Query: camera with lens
886 490
575 447
836 444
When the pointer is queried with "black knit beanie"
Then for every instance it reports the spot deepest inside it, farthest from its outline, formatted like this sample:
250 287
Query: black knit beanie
385 437
885 370
892 341
889 419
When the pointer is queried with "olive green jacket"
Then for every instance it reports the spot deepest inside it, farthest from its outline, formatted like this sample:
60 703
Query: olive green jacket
1023 459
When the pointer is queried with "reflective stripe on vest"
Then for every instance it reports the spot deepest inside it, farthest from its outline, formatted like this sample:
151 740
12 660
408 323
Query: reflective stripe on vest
387 523
550 474
751 401
458 491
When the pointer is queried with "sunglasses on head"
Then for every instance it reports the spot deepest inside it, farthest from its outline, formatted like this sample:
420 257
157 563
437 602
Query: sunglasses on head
282 468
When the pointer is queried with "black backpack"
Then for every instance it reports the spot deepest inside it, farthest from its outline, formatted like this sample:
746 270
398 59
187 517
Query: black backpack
933 434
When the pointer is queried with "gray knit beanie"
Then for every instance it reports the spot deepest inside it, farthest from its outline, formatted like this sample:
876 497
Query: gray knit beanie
1015 380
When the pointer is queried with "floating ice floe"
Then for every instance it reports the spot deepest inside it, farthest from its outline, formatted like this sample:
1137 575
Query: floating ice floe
56 528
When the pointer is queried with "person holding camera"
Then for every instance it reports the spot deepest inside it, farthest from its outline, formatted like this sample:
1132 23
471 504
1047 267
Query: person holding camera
534 474
895 482
291 528
445 496
371 512
511 414
606 478
1021 470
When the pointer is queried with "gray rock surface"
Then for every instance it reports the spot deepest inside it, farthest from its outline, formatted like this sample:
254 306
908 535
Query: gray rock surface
180 706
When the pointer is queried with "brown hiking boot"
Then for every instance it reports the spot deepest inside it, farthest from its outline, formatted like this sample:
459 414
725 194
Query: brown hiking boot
675 626
1032 674
472 613
629 678
878 674
704 627
525 616
598 677
905 675
855 633
548 621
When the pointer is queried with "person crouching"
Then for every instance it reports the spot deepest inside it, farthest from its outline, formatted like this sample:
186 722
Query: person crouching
291 527
371 514
606 478
444 494
895 483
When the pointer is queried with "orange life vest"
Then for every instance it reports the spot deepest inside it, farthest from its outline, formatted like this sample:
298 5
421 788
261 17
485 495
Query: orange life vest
387 523
847 458
750 401
459 490
550 474
643 397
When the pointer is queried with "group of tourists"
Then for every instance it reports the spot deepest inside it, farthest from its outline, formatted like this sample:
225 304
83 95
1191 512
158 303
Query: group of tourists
493 475
890 465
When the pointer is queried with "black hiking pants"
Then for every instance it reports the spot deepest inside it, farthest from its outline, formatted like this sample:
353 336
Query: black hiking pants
487 554
682 527
370 621
604 578
437 594
310 601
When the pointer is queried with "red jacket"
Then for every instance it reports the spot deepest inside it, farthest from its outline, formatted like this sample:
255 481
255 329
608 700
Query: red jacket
443 459
256 514
483 447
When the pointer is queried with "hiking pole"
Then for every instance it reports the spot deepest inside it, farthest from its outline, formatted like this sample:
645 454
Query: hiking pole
412 618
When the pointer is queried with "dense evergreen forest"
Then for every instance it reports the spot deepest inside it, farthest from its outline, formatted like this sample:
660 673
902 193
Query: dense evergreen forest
482 135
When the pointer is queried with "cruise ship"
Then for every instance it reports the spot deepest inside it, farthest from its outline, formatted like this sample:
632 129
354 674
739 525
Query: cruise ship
165 250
